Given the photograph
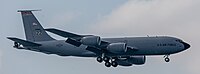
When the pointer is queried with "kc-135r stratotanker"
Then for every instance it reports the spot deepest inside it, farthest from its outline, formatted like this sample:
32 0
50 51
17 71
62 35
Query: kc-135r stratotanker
124 51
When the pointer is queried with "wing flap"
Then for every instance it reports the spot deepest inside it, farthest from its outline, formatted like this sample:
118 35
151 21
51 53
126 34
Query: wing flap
73 42
24 42
94 49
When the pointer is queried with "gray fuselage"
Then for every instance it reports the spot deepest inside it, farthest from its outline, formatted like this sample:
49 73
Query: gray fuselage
145 46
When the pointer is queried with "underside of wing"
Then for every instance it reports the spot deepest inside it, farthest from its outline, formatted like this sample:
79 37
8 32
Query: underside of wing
95 50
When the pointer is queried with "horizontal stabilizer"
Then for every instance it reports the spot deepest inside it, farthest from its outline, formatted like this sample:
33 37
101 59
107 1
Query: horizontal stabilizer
23 42
28 10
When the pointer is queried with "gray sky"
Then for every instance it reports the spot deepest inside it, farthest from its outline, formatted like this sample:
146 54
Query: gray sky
107 18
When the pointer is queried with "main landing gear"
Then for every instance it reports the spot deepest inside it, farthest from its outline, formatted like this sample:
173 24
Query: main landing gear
166 58
99 59
108 61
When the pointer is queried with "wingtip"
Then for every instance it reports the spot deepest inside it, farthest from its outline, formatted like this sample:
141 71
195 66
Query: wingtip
9 37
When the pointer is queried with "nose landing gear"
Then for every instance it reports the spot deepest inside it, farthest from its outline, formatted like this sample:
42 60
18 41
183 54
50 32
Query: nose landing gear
166 58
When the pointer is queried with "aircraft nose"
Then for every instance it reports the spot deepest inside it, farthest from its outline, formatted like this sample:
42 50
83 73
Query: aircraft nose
186 45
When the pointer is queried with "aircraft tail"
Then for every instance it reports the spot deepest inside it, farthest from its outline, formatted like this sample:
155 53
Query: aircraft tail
33 30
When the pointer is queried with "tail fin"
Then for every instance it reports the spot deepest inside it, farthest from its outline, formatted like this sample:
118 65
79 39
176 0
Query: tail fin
33 30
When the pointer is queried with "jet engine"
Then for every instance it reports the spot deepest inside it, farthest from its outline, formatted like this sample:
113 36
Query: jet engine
91 40
137 60
123 62
117 48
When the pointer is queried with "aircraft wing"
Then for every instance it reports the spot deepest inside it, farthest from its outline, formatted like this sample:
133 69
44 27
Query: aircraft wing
24 42
64 33
74 39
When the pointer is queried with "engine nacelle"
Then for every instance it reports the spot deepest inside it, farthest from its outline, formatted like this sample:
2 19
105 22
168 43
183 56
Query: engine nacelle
137 60
123 62
91 40
117 48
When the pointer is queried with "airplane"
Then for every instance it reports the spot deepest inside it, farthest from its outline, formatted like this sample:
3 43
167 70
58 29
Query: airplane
124 51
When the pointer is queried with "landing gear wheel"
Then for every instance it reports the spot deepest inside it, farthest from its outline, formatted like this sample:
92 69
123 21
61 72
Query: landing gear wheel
99 59
114 64
167 59
106 59
107 64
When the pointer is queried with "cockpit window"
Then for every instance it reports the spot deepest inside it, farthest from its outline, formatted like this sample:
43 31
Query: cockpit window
179 40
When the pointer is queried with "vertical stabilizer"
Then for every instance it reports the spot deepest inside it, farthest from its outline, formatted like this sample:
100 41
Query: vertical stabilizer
33 30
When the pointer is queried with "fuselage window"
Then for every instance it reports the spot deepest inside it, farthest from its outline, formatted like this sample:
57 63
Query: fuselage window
166 44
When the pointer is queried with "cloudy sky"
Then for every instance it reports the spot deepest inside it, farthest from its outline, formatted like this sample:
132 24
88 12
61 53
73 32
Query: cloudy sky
107 18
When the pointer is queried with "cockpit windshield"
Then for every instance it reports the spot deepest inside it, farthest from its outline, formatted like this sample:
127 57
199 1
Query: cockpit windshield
178 40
